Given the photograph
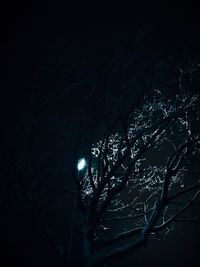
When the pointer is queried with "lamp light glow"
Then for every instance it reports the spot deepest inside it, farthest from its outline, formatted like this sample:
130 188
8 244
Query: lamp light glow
81 164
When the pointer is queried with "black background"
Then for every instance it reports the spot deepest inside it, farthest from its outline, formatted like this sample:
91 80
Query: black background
83 36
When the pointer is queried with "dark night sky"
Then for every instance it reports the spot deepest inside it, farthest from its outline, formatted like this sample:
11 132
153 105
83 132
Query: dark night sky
39 46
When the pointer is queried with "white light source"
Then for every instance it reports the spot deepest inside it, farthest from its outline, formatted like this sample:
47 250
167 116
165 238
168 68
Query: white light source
81 164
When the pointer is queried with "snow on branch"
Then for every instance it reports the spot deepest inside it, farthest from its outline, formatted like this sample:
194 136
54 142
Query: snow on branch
138 170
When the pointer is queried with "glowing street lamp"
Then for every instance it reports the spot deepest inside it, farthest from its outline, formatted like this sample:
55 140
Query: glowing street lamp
81 164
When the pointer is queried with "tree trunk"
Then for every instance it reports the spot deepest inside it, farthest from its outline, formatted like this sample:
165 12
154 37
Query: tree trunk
87 249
